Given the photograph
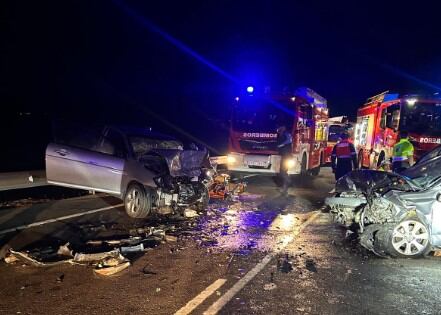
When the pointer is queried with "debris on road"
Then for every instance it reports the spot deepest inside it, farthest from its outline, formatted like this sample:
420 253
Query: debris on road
190 213
11 258
310 265
269 286
111 265
284 265
81 257
171 238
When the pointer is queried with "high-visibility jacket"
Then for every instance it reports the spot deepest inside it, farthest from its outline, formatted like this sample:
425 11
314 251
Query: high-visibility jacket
402 150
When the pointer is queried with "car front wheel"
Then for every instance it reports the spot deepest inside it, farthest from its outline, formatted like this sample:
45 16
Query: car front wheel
137 202
410 239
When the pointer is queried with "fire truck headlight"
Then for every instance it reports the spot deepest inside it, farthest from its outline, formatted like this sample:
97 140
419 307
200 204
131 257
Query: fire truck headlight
411 101
231 159
290 163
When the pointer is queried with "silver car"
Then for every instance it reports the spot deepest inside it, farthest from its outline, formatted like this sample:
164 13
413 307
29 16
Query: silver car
149 172
393 214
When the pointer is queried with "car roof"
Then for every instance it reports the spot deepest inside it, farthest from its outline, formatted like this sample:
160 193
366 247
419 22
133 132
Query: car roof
145 132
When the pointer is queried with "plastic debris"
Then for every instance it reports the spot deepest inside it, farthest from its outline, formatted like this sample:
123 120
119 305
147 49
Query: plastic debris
64 250
111 270
171 238
10 259
81 257
190 213
132 249
269 286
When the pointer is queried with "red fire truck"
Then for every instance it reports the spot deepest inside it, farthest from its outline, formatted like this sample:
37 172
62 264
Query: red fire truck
336 127
383 116
253 138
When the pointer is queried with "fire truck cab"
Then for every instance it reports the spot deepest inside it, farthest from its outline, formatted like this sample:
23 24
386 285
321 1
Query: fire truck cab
253 138
381 118
336 127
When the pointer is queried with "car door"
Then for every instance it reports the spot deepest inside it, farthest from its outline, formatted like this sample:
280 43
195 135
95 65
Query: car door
84 158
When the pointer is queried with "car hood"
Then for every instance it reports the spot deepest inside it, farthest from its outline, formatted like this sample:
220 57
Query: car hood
368 181
180 162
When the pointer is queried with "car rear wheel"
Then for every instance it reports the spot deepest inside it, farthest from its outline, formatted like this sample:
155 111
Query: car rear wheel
410 239
137 202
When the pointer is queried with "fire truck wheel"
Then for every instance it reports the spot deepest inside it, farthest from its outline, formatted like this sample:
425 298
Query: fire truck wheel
303 169
315 171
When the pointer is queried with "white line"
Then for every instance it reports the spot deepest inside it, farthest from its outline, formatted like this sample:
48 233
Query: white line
221 302
201 297
27 226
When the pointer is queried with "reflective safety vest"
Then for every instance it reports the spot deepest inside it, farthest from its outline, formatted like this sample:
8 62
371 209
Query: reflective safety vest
402 150
343 150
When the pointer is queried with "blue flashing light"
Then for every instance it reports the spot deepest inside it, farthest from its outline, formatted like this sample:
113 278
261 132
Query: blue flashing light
250 89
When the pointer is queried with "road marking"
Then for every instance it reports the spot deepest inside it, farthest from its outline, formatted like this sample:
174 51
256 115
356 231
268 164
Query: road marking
221 302
27 226
201 297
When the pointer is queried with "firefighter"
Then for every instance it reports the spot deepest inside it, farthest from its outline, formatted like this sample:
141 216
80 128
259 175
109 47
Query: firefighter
284 146
344 157
402 156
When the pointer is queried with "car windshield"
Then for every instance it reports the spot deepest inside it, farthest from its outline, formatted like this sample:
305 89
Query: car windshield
422 118
253 115
425 173
142 144
335 132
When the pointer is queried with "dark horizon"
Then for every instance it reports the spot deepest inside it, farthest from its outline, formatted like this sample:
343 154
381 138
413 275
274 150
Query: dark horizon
130 61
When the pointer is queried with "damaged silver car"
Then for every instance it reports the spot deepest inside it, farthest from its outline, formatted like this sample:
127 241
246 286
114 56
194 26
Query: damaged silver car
394 214
150 172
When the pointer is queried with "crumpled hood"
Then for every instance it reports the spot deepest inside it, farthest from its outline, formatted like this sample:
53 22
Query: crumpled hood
366 181
182 162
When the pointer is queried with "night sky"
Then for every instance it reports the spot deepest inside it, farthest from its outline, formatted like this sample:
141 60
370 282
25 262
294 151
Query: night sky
182 62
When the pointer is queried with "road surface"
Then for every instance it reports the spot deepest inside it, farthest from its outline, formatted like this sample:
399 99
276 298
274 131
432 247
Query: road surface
262 254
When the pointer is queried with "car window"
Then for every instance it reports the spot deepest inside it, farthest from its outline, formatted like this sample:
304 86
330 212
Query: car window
113 143
77 136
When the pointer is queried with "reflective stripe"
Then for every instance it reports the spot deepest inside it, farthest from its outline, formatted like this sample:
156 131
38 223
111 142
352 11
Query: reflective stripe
344 156
399 158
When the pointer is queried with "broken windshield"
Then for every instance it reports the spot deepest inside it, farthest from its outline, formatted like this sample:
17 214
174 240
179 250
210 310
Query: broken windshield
143 144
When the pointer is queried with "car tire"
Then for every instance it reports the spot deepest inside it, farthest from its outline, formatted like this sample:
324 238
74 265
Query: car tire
409 238
137 202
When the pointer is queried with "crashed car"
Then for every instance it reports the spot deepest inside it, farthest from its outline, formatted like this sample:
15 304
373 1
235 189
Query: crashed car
394 214
150 172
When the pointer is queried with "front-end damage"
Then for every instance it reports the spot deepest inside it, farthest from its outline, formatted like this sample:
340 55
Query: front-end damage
371 204
181 178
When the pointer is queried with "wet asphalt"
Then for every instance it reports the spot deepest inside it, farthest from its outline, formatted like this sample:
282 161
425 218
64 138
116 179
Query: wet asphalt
309 271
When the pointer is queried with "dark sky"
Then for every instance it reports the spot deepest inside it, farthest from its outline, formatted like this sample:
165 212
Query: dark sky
109 59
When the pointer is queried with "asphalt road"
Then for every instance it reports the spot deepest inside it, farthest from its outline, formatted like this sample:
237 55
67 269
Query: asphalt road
262 254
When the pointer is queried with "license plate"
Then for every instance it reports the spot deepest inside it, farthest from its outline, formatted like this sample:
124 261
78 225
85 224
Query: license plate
257 161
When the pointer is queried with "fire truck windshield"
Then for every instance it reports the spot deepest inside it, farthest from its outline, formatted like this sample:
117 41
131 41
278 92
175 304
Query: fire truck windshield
422 118
261 115
335 132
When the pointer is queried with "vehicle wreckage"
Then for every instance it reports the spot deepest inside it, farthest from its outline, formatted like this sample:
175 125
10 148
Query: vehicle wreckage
394 214
150 172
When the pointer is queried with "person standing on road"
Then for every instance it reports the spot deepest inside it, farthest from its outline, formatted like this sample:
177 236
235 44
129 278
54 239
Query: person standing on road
284 147
402 156
344 157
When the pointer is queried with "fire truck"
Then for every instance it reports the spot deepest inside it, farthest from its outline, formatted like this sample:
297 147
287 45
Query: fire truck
336 127
253 137
381 118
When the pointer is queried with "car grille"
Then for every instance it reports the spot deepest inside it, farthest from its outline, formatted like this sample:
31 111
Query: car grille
258 145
